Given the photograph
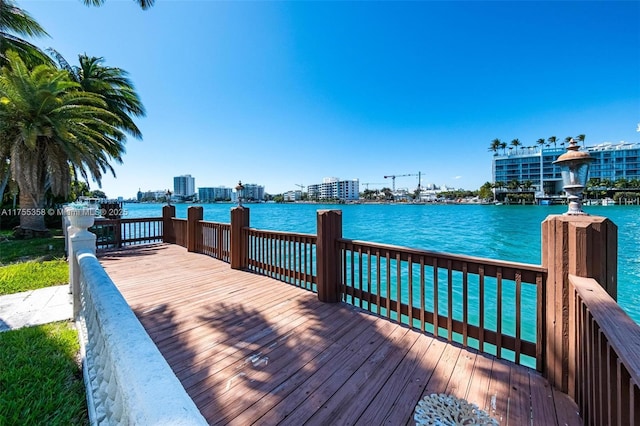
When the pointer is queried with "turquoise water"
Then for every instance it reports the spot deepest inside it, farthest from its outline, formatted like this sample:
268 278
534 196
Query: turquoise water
499 232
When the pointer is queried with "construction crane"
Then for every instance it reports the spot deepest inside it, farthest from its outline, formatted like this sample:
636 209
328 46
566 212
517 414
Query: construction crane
302 187
366 185
393 179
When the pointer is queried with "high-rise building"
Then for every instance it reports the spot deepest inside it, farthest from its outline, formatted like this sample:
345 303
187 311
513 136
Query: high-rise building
184 186
610 161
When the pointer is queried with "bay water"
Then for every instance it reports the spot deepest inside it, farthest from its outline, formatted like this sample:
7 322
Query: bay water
498 232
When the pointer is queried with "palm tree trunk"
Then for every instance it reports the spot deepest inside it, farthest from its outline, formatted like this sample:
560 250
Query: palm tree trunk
32 212
4 177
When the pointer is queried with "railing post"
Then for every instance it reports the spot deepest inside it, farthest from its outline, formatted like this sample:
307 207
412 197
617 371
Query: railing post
194 214
79 239
168 233
239 241
327 255
117 231
585 246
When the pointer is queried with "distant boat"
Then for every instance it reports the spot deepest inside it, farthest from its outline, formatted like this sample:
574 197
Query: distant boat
608 202
545 202
497 203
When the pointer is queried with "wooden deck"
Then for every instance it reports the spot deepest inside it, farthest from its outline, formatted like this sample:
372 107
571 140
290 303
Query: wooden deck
252 350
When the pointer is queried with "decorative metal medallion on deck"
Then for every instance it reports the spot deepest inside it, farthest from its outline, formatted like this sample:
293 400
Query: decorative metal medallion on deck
446 410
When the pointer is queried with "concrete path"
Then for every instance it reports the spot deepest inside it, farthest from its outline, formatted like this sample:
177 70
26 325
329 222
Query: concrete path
35 307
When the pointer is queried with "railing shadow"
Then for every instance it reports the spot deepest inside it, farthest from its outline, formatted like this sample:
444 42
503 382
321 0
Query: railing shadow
114 254
249 349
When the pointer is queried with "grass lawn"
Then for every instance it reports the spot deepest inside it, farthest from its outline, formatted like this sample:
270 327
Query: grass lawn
12 250
32 275
31 264
40 378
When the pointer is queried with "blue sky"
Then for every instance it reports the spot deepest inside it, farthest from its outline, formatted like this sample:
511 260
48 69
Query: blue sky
282 93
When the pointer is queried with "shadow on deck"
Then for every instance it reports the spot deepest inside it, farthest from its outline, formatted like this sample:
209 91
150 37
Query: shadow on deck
250 349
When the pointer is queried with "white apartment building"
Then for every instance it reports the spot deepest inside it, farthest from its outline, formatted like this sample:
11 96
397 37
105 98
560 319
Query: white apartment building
292 195
332 188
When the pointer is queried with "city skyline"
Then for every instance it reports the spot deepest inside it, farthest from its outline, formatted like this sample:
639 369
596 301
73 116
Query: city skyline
282 93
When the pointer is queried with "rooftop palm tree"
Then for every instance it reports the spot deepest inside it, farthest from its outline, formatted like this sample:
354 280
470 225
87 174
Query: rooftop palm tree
541 142
14 24
516 143
495 145
503 146
53 130
581 138
553 140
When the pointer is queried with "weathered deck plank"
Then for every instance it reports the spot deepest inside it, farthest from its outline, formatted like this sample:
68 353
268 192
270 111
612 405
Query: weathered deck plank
252 350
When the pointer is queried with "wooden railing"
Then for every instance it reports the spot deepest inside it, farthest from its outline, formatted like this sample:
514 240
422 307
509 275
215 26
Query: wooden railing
604 356
486 304
284 256
116 233
180 231
214 239
519 312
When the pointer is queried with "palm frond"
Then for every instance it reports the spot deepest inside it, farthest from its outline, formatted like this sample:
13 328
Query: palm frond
18 21
144 4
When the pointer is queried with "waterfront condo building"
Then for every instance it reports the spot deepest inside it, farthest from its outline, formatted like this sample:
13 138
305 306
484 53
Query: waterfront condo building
184 186
211 194
251 192
292 195
610 161
335 189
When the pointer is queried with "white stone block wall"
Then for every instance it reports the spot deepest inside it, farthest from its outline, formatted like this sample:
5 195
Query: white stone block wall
128 381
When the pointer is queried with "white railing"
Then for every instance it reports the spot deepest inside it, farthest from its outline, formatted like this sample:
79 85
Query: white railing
128 381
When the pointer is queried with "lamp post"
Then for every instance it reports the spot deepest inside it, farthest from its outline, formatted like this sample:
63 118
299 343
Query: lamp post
574 166
240 190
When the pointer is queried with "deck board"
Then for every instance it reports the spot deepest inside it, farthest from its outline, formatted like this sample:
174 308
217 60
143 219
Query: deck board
252 350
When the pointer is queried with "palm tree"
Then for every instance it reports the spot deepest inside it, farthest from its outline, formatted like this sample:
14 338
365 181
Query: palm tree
593 183
553 140
567 140
53 130
144 4
581 139
541 142
503 146
112 84
495 145
621 183
516 143
514 184
606 183
14 24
